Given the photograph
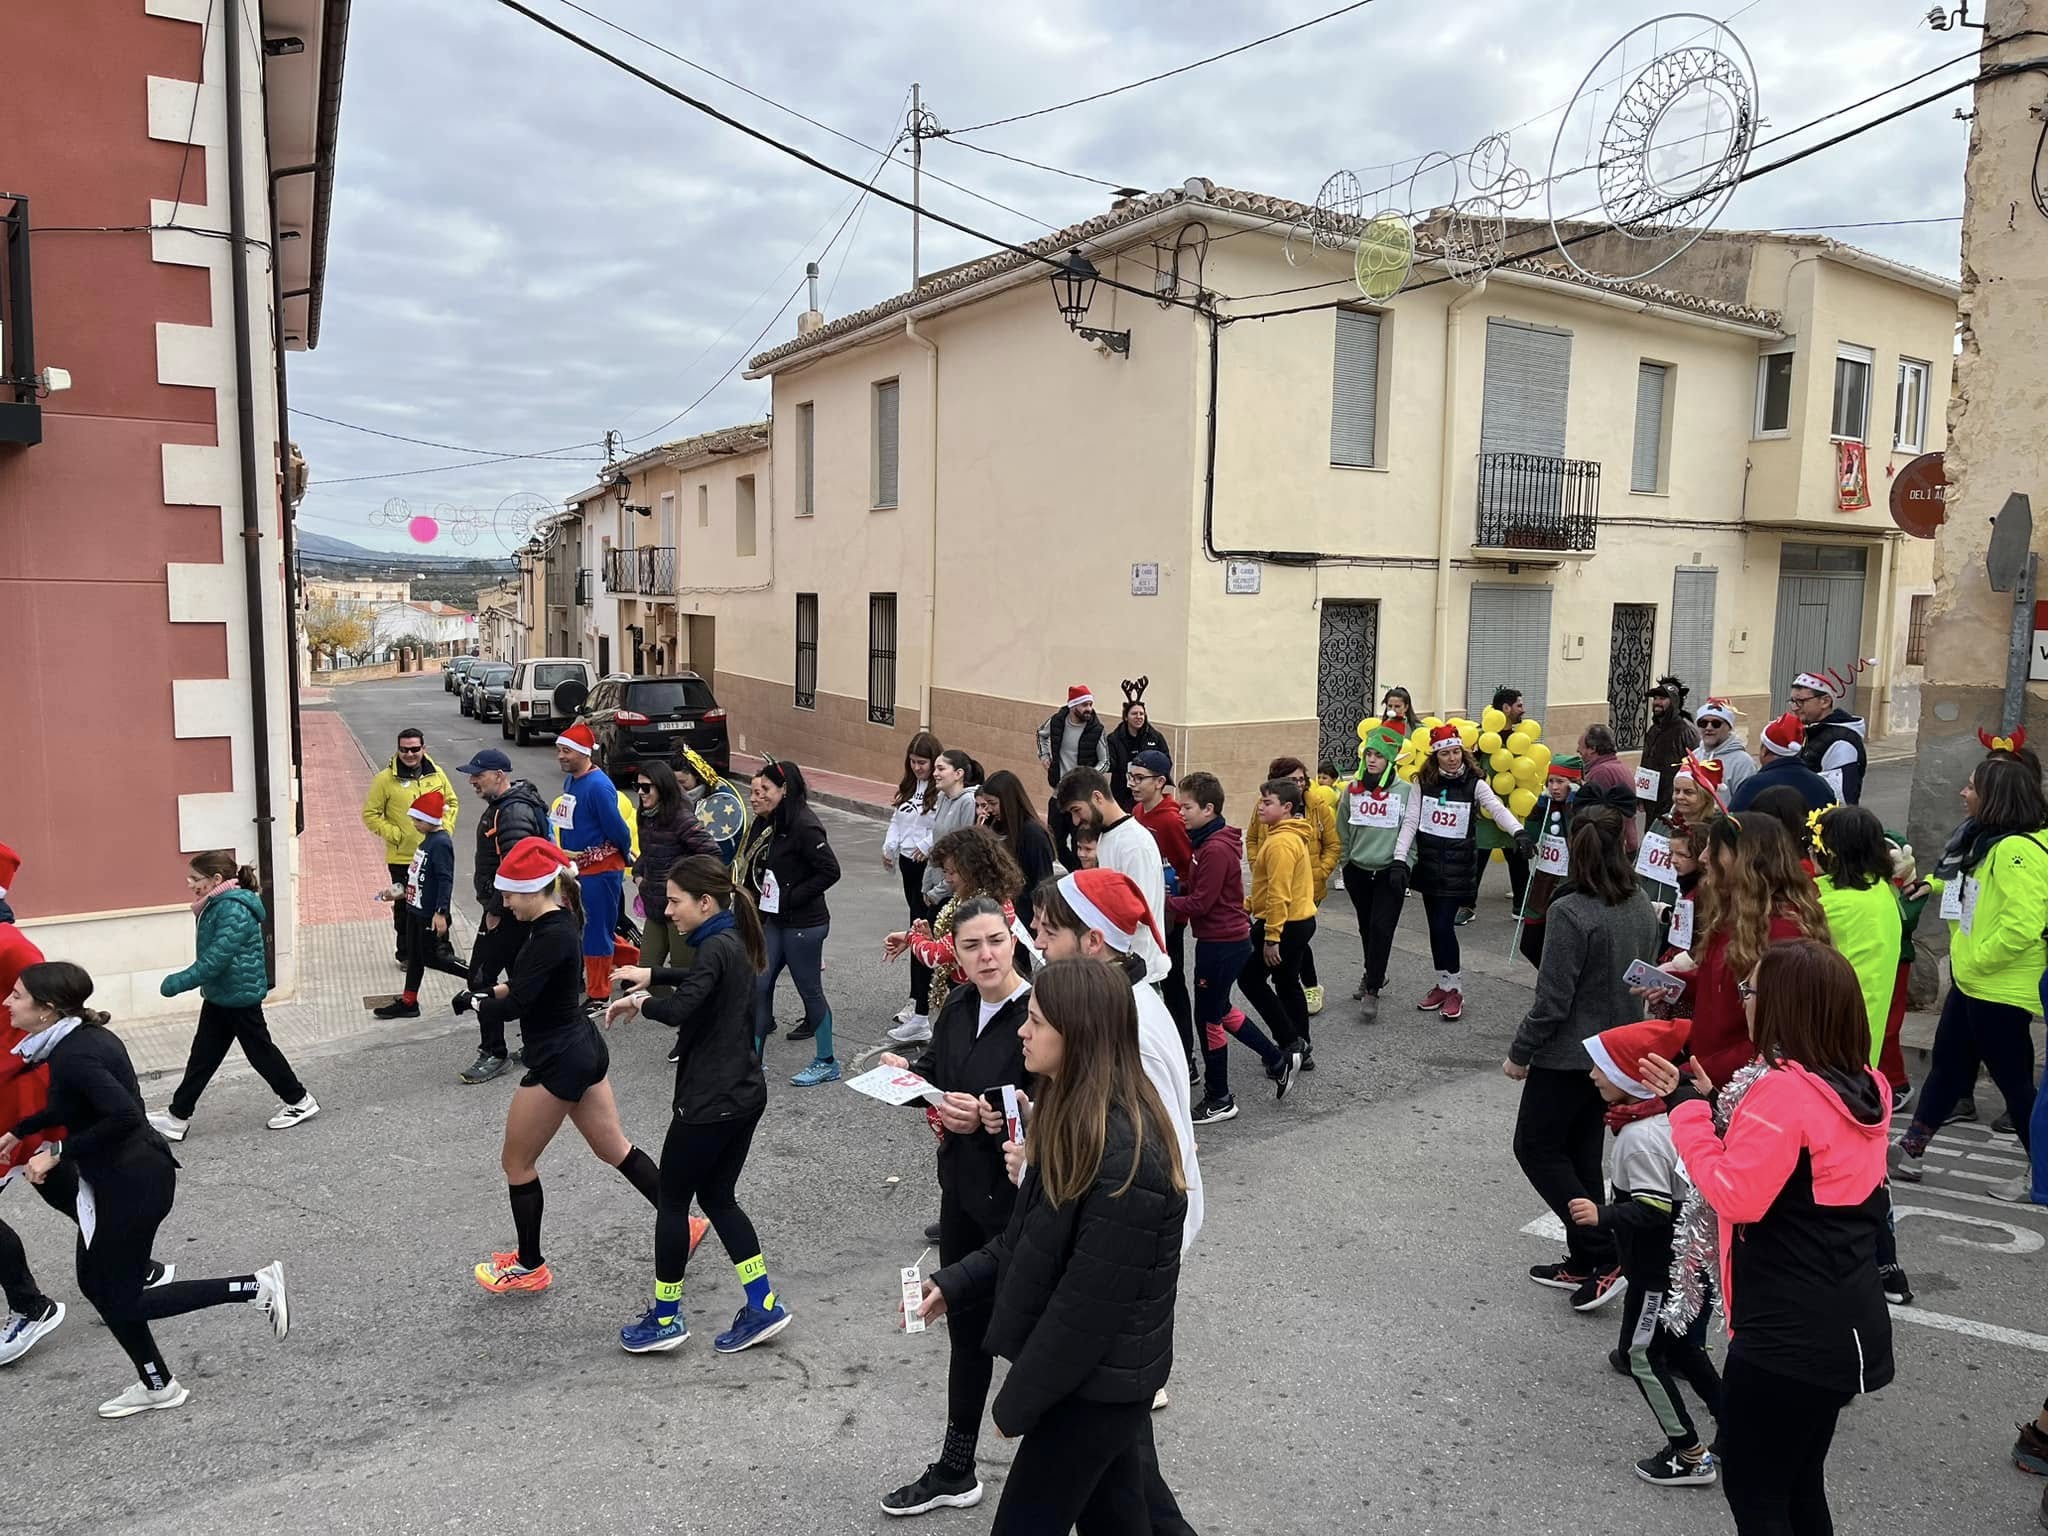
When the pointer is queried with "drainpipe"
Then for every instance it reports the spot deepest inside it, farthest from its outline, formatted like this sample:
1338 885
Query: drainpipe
931 596
252 525
1446 511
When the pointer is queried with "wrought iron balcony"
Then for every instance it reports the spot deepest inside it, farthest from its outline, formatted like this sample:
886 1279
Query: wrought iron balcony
583 586
1535 502
558 585
657 569
621 570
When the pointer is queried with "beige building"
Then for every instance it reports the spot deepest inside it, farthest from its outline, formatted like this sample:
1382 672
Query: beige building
1533 480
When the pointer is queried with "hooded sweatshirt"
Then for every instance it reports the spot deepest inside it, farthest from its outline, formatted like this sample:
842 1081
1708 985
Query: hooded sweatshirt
1283 877
1736 763
1996 953
1369 819
1868 930
1836 751
1213 903
1797 1187
1325 844
951 816
391 796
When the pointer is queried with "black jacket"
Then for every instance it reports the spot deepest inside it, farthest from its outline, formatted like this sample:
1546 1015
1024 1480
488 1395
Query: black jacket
971 1167
1083 1294
1665 744
1122 747
718 1076
662 842
1843 729
519 812
1035 857
94 1096
1056 733
791 844
545 990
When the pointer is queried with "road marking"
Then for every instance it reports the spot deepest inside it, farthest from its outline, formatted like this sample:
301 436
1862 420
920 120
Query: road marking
2021 1239
1978 1157
1970 1328
1546 1225
2015 1207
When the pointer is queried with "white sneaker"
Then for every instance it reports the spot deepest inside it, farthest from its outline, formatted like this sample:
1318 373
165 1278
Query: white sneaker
270 1298
140 1399
170 1273
289 1115
2019 1191
168 1126
903 1014
19 1334
912 1031
1159 1399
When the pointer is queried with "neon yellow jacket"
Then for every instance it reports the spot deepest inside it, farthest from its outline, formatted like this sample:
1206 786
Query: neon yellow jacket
1867 928
1997 953
390 798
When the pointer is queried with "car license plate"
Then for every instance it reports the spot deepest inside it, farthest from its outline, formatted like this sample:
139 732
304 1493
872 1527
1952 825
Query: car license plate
675 725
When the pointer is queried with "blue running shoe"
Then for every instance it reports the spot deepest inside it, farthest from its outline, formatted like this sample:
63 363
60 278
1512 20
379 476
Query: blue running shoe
750 1326
651 1336
817 1072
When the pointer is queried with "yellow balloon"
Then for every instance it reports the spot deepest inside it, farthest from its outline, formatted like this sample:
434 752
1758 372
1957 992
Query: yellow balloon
1519 742
1500 855
1503 783
1419 741
1527 771
1430 723
1489 741
1409 772
1493 720
1367 727
1500 762
1533 729
1469 735
1522 802
1539 754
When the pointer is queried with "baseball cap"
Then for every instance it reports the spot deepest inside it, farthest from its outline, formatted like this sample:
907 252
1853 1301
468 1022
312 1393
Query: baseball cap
1151 760
486 761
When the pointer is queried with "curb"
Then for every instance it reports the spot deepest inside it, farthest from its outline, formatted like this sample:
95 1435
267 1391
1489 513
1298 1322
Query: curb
851 806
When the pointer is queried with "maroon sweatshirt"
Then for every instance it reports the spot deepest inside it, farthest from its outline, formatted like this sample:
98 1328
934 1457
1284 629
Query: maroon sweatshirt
1213 901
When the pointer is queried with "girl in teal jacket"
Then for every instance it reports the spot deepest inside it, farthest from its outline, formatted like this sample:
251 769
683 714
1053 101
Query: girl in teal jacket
232 974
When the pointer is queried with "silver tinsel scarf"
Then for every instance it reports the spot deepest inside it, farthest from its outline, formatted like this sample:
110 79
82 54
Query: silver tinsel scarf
1696 1245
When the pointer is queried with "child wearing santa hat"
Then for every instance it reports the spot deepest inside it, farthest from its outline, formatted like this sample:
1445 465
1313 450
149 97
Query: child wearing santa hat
1648 1188
426 895
1783 740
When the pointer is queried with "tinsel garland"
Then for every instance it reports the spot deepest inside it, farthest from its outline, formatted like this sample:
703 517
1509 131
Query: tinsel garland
1696 1244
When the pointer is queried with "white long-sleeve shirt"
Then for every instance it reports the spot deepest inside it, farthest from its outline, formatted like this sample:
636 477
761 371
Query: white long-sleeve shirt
911 827
1130 848
1483 799
1166 1068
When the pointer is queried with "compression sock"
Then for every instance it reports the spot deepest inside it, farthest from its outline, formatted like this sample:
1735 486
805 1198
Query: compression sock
958 1456
668 1300
641 1173
526 1208
753 1275
597 976
410 999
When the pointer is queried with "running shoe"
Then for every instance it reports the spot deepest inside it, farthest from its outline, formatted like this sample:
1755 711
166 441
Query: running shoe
2019 1191
1464 916
804 1031
1907 1167
1965 1113
1315 998
397 1008
140 1399
503 1272
1454 1004
750 1326
2003 1124
675 1052
936 1488
1307 1051
1597 1292
1564 1275
931 1233
1617 1360
651 1336
18 1336
698 1227
1368 1007
1902 1099
817 1072
2030 1451
1211 1113
903 1014
484 1068
1194 1072
914 1030
1898 1290
1668 1469
1360 990
1432 1000
1283 1075
160 1274
289 1115
270 1298
168 1125
1159 1400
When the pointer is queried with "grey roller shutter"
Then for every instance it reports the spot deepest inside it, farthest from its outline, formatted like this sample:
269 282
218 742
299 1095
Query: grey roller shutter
1528 379
1692 628
1508 644
888 398
1354 403
1646 470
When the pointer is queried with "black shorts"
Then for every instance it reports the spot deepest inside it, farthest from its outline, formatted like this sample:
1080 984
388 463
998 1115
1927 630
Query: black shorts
574 1072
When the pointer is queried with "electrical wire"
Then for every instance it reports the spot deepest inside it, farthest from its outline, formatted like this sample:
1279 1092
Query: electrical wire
192 122
982 149
443 469
399 437
749 352
1168 74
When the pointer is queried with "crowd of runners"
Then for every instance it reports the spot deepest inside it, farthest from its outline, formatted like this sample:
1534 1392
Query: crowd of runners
1710 1064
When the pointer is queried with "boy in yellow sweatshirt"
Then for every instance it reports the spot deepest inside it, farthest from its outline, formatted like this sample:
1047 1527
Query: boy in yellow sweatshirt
1283 911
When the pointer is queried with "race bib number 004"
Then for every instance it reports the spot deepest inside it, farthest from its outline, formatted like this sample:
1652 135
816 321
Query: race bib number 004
1450 819
1368 810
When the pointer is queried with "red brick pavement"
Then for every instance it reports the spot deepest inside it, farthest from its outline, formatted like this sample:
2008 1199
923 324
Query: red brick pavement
341 867
842 786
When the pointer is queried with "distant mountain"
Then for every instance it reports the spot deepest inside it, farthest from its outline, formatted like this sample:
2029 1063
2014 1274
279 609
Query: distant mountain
326 550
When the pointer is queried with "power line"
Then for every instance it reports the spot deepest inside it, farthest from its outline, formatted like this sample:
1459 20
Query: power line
443 469
1793 229
1168 74
399 437
749 352
981 149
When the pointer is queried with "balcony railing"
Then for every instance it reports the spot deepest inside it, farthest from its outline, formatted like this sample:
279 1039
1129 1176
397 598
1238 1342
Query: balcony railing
658 569
621 570
583 586
1535 502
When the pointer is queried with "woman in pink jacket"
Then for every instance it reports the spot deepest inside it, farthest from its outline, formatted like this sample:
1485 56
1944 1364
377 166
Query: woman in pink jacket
1792 1163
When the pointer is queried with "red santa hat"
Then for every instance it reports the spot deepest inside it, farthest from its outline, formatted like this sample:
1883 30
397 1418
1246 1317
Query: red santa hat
578 739
1445 736
10 866
429 808
1079 694
1706 772
1619 1052
533 864
1784 736
1109 901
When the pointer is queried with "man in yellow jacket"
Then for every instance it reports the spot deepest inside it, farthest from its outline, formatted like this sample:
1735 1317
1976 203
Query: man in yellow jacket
1325 848
1283 909
409 774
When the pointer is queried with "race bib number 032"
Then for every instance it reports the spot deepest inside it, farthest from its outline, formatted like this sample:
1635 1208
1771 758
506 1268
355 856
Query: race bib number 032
1450 819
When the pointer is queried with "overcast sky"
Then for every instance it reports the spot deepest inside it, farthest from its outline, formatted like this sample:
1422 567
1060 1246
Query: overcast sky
530 247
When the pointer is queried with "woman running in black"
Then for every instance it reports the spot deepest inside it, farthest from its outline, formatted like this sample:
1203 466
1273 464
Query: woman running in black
567 1064
720 1094
126 1176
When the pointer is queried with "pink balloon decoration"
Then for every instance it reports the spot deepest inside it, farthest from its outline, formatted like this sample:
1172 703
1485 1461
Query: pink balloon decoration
424 530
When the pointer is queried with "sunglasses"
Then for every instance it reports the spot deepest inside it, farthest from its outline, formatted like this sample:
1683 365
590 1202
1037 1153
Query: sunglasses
1745 990
410 751
644 787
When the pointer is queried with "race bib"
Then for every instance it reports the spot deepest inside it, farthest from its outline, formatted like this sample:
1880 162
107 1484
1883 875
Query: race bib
1952 902
1681 925
1969 912
412 877
771 893
1551 858
1649 782
1448 819
1653 859
562 814
1370 810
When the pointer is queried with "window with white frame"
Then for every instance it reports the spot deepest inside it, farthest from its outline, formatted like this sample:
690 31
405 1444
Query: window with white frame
806 462
1774 393
1851 416
1909 410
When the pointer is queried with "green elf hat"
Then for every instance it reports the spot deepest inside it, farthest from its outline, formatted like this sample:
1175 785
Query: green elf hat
1385 740
1569 766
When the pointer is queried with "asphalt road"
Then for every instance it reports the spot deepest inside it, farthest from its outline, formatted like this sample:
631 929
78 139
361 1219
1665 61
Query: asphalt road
1357 1348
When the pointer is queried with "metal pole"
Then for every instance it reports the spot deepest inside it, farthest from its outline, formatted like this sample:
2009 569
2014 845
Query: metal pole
916 178
2022 648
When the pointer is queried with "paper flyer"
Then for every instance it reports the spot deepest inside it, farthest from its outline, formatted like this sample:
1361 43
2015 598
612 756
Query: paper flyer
894 1085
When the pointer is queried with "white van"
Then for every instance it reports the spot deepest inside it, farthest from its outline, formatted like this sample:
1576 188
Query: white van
545 695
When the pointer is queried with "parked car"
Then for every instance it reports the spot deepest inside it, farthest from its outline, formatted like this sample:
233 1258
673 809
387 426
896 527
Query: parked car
485 687
656 717
453 673
546 693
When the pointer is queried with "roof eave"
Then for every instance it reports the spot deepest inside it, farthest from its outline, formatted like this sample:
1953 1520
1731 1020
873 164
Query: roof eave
333 56
1897 271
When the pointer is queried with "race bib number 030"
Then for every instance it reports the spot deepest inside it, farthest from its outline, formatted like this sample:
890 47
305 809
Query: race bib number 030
1551 858
1450 819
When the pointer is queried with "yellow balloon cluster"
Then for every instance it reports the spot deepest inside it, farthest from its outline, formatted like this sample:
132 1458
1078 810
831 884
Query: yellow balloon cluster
1516 758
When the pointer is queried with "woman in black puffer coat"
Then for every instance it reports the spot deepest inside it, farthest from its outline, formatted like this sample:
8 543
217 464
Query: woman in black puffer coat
1085 1275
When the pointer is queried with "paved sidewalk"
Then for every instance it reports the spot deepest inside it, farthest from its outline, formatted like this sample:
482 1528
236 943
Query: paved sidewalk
841 791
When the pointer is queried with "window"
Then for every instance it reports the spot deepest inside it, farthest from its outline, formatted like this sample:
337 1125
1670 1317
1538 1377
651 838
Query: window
1774 394
703 506
1355 389
743 515
670 696
888 401
882 658
807 650
1646 470
806 470
668 519
1916 631
1851 417
1909 411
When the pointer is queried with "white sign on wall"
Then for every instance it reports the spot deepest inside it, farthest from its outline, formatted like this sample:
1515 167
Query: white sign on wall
1145 579
1241 577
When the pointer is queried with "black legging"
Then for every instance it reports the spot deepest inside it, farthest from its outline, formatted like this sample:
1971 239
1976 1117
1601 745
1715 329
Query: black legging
220 1027
1080 1468
969 1366
913 872
17 1281
430 951
1560 1129
1377 900
702 1161
1774 1450
1275 994
1175 988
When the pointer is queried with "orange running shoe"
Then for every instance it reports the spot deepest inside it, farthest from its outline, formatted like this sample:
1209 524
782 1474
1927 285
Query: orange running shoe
698 1227
503 1272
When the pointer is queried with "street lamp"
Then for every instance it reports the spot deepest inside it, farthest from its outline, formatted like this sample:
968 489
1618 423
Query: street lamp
1073 289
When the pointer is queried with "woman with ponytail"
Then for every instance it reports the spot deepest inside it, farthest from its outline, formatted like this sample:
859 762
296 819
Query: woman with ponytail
232 974
719 1096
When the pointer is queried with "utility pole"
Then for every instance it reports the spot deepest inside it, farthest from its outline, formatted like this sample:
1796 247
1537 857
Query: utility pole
916 178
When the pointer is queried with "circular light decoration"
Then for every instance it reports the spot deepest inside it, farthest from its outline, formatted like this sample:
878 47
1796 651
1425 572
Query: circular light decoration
1386 252
1341 199
1674 129
518 518
424 529
395 513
